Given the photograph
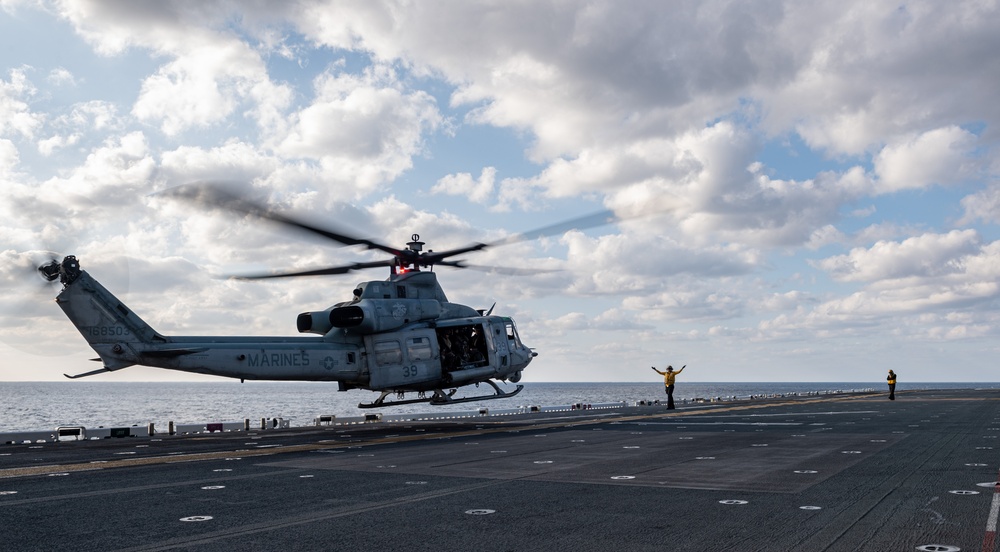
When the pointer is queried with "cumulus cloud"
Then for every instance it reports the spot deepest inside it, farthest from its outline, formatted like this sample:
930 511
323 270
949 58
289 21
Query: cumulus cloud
205 86
941 156
234 161
983 205
920 256
878 71
211 71
49 145
362 129
479 190
8 158
60 76
933 286
113 173
15 115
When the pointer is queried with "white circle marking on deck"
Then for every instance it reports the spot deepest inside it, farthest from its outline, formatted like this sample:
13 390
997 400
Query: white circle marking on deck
733 502
196 518
938 548
964 493
620 477
213 487
480 512
810 507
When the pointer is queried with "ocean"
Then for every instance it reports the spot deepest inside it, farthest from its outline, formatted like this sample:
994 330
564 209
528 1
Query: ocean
31 406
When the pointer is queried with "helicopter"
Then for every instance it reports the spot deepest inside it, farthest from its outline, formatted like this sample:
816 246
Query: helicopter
394 336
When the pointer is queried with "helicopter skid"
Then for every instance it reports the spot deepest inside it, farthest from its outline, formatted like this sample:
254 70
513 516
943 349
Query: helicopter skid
441 398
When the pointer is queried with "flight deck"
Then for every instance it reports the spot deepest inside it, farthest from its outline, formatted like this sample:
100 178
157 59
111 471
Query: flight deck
840 472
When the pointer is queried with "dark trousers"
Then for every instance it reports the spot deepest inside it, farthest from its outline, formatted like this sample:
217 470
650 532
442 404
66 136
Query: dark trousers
892 391
670 396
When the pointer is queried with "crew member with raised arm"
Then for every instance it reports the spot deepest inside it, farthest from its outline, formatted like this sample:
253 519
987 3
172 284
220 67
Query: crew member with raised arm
668 382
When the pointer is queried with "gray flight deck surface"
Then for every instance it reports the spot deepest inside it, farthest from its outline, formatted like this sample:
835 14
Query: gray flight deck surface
842 472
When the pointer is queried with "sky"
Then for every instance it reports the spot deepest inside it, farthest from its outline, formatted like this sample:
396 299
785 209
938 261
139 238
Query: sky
808 191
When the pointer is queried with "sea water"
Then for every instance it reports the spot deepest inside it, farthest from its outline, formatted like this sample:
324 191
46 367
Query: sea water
28 406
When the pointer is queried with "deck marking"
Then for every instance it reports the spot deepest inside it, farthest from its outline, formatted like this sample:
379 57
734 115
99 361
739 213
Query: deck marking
989 540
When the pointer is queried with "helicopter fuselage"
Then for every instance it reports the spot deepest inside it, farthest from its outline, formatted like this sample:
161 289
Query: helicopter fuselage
395 336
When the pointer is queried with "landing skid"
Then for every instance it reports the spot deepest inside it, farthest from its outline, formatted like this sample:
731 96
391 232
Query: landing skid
440 397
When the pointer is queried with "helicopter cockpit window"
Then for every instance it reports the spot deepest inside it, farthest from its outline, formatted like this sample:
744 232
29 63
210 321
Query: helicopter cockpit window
388 352
418 348
512 334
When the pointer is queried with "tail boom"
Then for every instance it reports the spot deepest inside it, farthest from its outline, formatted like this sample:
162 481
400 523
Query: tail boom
122 339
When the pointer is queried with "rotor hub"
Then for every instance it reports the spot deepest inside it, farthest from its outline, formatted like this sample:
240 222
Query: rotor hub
415 244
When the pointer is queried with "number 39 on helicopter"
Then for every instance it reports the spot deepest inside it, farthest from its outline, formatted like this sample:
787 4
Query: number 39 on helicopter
395 336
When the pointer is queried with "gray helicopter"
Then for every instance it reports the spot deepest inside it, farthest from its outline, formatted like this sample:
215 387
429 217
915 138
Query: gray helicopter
395 336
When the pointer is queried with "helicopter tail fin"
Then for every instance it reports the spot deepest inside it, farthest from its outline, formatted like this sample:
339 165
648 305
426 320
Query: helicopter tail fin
111 328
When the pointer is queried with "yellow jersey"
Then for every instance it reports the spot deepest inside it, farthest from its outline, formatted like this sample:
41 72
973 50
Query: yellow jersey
670 375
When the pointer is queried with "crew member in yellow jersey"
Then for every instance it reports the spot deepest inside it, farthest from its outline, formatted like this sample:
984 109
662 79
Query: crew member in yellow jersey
892 385
668 381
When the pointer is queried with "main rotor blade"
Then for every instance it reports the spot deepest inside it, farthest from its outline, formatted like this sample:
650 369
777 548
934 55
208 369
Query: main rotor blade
592 220
217 195
316 272
222 196
505 270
